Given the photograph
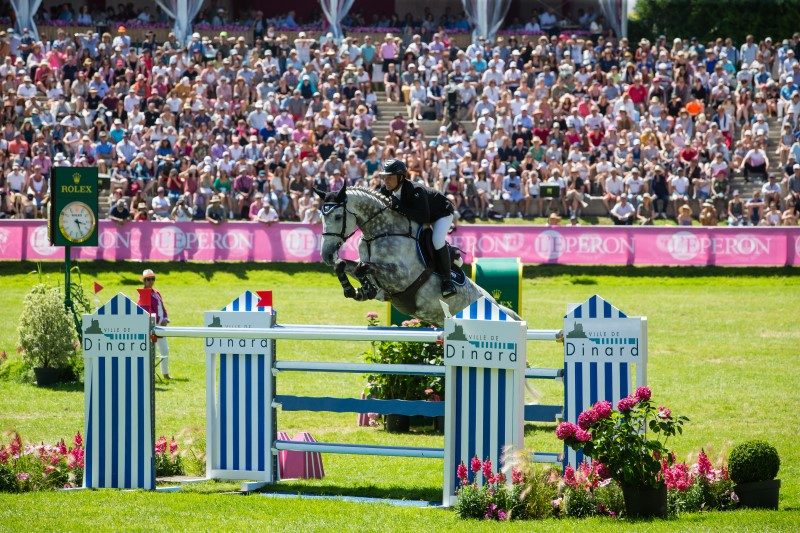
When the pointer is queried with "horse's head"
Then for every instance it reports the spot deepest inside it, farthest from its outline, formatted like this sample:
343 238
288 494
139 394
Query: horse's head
338 223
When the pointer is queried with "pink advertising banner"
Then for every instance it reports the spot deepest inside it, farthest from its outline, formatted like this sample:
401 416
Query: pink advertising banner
584 245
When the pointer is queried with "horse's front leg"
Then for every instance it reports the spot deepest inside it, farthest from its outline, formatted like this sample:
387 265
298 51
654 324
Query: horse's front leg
342 268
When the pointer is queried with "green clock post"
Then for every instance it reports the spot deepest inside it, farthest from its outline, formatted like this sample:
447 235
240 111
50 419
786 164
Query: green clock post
73 213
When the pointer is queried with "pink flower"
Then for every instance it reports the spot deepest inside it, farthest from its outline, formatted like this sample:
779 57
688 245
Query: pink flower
643 394
501 515
161 445
49 469
372 315
586 419
602 410
569 476
4 455
566 430
517 476
23 476
487 469
173 446
704 467
626 404
582 435
500 477
601 471
461 472
475 464
62 448
664 412
78 440
15 446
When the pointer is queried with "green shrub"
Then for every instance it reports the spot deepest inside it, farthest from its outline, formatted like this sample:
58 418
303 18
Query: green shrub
8 480
393 387
753 460
46 332
472 501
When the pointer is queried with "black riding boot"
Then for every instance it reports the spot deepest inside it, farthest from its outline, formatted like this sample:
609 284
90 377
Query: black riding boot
442 256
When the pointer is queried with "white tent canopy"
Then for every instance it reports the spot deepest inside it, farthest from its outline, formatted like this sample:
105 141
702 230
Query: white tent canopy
24 11
486 16
183 13
335 11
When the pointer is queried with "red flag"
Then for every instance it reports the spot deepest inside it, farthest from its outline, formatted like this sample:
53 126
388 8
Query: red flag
264 299
145 298
97 287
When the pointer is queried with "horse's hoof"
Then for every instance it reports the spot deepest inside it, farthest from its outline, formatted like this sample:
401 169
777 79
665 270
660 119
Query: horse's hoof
350 292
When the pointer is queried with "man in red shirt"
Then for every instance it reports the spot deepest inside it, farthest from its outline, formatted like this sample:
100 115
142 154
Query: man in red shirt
155 306
638 93
19 146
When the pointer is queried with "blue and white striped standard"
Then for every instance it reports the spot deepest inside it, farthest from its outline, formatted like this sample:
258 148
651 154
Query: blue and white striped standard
240 417
118 430
484 406
602 345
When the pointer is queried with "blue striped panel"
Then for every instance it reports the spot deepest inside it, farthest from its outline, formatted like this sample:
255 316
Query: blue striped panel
101 432
141 451
482 309
223 411
472 377
262 429
236 401
246 302
115 422
595 307
502 384
459 414
487 411
128 481
248 413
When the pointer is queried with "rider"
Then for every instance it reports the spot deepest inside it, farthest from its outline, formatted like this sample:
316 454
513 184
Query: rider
424 206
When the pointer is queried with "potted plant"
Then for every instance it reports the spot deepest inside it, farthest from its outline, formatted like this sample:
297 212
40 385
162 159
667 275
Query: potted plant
46 334
394 387
630 442
753 466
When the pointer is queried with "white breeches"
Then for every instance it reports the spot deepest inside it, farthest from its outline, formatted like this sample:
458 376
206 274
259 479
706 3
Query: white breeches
440 228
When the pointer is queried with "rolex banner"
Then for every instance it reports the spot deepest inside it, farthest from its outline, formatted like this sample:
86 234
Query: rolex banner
73 206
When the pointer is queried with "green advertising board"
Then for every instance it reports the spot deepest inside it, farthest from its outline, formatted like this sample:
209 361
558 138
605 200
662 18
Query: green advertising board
499 276
502 278
73 206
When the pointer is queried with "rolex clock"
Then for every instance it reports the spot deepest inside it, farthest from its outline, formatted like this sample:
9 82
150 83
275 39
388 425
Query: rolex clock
73 206
77 222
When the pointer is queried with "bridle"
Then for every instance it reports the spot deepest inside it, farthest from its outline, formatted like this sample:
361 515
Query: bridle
343 236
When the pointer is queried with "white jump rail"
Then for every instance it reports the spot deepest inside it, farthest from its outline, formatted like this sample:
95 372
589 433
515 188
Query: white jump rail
330 333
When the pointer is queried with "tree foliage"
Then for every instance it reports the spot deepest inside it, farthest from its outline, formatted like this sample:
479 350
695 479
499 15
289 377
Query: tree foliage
707 20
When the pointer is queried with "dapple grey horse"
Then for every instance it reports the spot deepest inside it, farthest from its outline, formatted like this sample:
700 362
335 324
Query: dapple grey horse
389 266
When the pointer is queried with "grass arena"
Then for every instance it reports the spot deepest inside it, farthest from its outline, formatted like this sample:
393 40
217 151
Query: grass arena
721 351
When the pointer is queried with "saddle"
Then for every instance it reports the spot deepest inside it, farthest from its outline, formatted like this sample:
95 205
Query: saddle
425 251
406 299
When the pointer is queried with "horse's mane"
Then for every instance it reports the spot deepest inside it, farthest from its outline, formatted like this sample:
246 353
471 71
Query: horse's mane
370 193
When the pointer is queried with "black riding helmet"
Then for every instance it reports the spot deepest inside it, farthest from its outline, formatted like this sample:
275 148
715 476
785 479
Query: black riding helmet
394 167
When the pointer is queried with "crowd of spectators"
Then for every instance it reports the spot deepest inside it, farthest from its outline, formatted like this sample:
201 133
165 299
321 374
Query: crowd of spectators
245 128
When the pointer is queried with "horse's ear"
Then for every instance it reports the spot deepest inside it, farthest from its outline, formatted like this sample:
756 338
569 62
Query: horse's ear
320 193
341 196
